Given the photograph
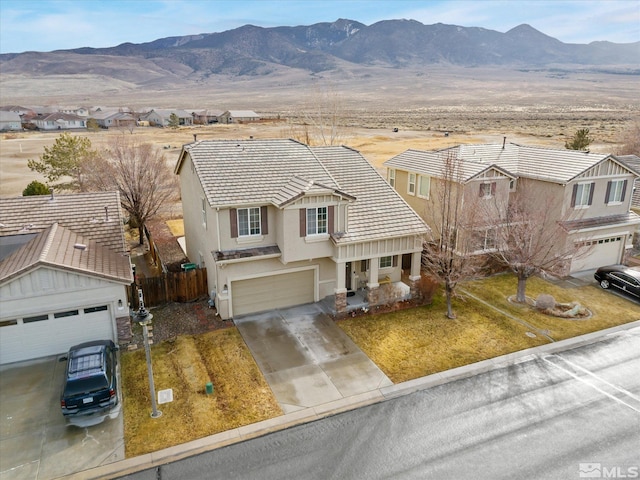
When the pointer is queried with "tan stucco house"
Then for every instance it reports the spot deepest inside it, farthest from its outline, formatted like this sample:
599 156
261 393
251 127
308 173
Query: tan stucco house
64 273
592 191
278 223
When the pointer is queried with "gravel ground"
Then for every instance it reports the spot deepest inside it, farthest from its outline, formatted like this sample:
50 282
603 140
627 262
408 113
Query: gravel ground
175 319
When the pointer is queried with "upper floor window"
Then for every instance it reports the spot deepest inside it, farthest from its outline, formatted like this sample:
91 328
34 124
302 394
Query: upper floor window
204 213
487 189
248 221
616 190
392 177
316 220
582 195
424 186
411 188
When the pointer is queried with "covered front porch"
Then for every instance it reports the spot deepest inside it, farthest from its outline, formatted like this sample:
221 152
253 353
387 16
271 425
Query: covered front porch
358 300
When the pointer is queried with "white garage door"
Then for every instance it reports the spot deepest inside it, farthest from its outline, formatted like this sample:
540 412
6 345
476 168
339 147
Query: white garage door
275 291
605 251
52 333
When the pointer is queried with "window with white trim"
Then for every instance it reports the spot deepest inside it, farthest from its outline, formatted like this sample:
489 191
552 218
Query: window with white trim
583 195
386 262
316 220
248 221
411 187
488 189
615 191
424 186
392 177
204 213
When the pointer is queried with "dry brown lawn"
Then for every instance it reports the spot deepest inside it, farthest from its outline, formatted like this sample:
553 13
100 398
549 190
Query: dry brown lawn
241 395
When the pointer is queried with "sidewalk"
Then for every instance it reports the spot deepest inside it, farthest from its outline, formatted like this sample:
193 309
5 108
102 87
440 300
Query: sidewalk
237 435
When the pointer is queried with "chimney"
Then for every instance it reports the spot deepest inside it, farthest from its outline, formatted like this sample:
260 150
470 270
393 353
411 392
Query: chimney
504 141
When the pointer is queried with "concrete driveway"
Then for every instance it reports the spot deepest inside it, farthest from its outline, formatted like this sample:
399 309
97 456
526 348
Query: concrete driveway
305 357
35 443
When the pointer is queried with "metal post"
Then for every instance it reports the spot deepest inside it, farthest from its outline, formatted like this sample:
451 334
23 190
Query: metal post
144 318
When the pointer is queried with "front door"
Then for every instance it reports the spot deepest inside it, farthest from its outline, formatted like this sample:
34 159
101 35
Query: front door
347 276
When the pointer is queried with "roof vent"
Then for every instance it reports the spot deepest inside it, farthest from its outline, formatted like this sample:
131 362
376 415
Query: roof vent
51 199
80 246
106 213
195 137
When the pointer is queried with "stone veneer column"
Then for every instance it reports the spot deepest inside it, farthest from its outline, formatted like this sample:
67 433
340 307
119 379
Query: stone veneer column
341 303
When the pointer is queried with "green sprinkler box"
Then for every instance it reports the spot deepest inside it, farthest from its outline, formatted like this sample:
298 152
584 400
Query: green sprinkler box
209 388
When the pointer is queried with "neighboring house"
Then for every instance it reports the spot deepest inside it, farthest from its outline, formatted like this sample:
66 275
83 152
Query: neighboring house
592 191
205 117
10 121
278 223
114 119
161 117
64 273
79 111
633 162
58 121
238 116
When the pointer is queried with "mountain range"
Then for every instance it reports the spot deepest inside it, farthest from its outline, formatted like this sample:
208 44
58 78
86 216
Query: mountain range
324 47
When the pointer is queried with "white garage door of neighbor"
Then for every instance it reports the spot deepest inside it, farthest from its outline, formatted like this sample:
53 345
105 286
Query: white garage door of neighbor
275 291
53 333
605 251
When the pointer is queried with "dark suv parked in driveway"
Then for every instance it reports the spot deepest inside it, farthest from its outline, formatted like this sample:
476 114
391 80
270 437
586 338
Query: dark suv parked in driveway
90 391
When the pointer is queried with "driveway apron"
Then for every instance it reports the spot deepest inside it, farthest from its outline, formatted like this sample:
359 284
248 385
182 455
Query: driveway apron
305 357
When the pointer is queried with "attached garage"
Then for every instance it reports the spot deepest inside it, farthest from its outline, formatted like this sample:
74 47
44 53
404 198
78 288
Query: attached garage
273 291
604 251
52 333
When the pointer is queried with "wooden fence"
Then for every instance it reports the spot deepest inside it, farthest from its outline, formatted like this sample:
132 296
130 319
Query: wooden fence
170 287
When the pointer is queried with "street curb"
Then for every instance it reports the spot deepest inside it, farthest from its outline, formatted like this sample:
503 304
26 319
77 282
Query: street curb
240 434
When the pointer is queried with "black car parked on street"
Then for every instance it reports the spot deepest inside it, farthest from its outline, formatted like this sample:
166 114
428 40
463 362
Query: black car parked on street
622 277
90 391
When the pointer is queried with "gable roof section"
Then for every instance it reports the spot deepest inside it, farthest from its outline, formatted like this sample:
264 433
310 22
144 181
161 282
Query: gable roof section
431 163
56 247
252 172
378 211
95 216
546 164
298 187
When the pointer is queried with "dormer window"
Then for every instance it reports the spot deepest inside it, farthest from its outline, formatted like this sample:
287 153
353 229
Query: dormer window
316 220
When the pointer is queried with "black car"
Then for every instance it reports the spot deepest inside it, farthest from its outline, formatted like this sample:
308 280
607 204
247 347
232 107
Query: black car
625 278
90 391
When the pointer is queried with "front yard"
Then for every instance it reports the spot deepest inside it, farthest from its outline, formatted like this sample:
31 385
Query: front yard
405 344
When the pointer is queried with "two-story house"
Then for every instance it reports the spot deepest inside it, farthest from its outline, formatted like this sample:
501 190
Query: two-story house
279 223
590 192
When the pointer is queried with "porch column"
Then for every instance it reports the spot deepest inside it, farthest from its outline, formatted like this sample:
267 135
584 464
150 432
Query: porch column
341 289
373 293
416 263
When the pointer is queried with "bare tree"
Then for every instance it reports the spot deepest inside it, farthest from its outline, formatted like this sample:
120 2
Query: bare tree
630 140
532 239
449 255
320 117
140 173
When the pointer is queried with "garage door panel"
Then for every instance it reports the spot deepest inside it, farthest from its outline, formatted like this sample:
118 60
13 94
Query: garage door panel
276 291
53 336
605 251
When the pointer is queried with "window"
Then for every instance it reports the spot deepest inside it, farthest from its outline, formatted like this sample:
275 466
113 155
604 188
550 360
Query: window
582 195
248 221
512 185
101 308
392 177
424 185
615 191
8 323
316 220
412 184
386 262
204 213
37 318
487 189
484 239
68 313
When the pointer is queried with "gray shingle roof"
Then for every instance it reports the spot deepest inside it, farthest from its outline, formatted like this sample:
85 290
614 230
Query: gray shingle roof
552 165
254 172
56 247
82 213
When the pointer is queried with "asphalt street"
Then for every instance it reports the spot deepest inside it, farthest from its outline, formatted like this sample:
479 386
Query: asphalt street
551 416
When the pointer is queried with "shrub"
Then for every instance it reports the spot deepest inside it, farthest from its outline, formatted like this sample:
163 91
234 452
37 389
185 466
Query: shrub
35 188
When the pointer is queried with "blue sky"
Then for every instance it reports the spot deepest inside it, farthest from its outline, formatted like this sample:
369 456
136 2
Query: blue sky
45 25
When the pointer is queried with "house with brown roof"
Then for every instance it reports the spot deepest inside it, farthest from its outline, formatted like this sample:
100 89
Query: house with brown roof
279 223
64 273
592 191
